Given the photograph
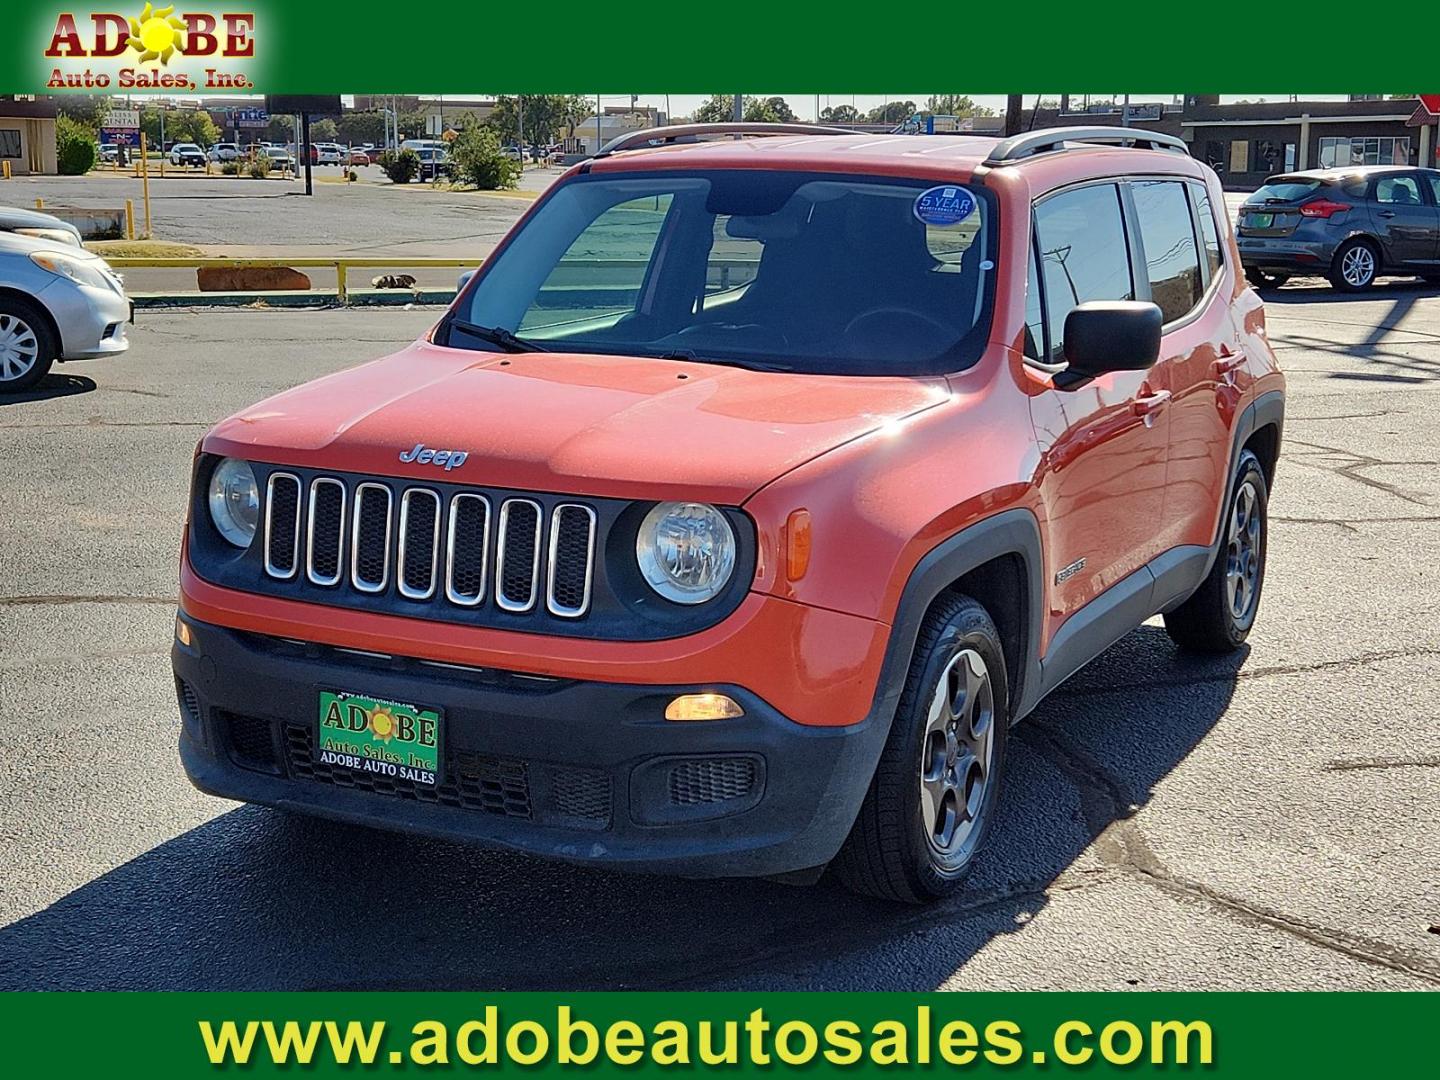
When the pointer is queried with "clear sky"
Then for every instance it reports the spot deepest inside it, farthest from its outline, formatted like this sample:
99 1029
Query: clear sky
804 104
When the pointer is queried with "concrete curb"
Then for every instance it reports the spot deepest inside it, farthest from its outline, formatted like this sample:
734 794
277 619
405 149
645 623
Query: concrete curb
310 298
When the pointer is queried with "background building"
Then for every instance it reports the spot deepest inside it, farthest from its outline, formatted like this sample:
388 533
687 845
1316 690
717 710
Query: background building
27 135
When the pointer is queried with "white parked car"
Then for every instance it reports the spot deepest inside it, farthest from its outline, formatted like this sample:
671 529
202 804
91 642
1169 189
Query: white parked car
224 151
57 302
186 153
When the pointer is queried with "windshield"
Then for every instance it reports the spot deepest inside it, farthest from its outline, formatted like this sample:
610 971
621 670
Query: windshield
799 271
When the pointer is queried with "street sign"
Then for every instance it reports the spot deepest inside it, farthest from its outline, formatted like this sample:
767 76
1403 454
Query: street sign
122 120
119 137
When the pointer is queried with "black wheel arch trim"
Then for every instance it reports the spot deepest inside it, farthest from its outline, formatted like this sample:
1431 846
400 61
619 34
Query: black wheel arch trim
1009 533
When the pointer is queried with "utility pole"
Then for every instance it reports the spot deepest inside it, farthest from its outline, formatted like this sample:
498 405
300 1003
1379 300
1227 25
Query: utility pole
1014 110
738 113
520 112
1125 112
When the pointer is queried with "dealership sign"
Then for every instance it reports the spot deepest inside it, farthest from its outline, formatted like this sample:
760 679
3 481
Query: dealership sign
152 48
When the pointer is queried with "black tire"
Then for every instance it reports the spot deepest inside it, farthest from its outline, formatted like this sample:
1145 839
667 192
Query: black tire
892 852
1208 621
1338 265
22 329
1265 279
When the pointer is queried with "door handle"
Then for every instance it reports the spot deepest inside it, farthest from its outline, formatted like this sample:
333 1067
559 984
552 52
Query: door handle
1229 361
1151 403
1387 213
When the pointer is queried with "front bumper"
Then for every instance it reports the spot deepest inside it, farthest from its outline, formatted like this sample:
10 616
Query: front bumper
587 772
92 320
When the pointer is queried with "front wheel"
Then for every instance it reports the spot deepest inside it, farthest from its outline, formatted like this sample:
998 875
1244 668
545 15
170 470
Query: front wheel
1218 617
1356 266
27 347
931 801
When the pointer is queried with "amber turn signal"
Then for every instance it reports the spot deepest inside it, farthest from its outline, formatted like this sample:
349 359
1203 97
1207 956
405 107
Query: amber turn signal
797 544
703 707
182 631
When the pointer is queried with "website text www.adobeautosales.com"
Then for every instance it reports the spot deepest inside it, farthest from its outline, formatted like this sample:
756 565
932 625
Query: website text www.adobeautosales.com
918 1039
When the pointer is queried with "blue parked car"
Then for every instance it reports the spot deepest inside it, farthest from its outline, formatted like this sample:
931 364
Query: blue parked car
1350 225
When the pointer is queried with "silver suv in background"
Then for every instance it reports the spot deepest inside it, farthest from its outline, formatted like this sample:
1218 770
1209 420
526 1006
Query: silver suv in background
1350 225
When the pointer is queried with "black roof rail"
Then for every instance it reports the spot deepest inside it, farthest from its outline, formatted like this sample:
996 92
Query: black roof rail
677 133
1018 147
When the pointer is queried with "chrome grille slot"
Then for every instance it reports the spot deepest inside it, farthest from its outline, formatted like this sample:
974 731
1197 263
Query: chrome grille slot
517 561
440 551
419 543
570 565
325 531
370 538
282 525
467 549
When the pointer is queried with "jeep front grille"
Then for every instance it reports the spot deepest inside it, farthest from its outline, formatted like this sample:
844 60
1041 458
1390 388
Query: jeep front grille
465 549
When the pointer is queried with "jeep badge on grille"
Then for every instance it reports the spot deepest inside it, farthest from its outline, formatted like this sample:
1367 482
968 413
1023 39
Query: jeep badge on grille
450 459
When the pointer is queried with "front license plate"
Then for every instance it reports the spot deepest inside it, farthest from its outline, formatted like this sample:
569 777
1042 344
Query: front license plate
1260 221
379 737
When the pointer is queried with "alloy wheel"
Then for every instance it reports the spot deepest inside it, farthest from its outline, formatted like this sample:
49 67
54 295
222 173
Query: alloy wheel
19 348
958 756
1243 552
1358 265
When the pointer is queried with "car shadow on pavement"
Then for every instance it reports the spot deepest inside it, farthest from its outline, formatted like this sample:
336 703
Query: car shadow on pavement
257 899
52 386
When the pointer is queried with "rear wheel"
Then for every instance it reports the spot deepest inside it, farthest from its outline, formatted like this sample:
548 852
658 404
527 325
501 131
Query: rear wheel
27 348
1356 265
931 801
1265 279
1218 617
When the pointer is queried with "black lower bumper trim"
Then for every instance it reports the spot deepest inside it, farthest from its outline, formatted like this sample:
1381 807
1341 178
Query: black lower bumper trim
583 771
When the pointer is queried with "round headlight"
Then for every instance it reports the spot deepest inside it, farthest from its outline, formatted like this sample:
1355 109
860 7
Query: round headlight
234 501
686 551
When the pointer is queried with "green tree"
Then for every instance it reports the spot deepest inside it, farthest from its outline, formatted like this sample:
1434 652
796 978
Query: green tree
83 109
412 125
479 160
74 146
547 116
281 129
323 130
361 127
718 109
956 105
840 114
771 110
892 112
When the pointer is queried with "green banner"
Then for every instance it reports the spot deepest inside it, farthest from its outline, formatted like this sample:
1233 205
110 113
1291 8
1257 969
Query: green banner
263 46
1227 1035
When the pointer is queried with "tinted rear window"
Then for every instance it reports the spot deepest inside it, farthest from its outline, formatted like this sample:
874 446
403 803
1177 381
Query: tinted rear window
1283 190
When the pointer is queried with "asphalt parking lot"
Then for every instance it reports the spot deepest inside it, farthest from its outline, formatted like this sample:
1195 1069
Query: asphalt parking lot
1266 820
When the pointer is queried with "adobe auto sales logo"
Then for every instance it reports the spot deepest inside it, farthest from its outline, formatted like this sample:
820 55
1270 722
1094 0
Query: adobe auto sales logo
155 49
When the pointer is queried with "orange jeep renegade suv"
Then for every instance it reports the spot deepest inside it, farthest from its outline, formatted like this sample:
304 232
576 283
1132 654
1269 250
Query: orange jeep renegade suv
740 504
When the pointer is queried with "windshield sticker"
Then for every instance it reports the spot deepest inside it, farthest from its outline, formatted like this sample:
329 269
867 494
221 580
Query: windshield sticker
946 205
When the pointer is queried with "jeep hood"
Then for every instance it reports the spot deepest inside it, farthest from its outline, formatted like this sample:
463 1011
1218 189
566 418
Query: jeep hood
628 427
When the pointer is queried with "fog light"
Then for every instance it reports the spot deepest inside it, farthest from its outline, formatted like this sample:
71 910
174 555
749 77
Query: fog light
182 632
703 707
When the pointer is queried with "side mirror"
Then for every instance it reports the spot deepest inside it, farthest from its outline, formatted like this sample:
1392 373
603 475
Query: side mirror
464 280
1109 335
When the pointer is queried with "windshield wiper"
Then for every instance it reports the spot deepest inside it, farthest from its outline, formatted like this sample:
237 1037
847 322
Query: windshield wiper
691 356
496 335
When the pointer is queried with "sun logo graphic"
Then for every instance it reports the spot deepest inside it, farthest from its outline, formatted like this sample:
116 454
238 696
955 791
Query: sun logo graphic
157 34
382 725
